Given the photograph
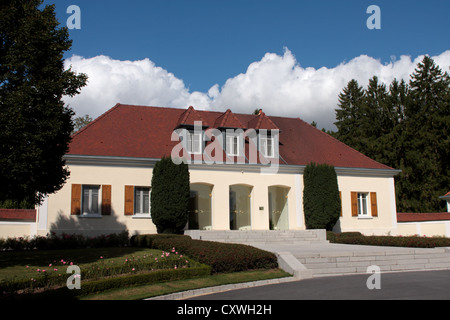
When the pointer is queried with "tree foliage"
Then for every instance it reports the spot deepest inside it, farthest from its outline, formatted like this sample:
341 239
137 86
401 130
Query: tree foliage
170 196
35 125
321 201
405 126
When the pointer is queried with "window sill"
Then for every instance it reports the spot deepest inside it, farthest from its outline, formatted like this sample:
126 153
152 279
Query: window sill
365 217
141 216
90 215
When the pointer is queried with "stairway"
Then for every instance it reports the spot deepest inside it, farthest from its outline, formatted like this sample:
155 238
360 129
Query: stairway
262 237
392 260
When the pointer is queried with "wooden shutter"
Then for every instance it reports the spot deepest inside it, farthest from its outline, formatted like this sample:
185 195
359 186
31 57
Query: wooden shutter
373 204
354 197
75 204
129 200
106 200
340 197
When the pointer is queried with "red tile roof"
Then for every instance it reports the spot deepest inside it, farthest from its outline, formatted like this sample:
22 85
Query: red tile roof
416 217
145 132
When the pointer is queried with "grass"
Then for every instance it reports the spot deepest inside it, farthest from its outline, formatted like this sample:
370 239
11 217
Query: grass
163 288
23 265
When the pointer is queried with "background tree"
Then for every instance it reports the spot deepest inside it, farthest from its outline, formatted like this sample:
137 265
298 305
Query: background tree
321 201
170 196
35 126
348 115
405 127
80 122
425 130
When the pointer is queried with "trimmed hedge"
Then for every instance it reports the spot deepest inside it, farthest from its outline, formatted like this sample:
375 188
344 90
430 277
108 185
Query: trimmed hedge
398 241
222 257
64 241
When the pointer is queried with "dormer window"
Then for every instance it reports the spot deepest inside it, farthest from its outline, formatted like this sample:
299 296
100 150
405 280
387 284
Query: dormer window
194 142
267 147
232 145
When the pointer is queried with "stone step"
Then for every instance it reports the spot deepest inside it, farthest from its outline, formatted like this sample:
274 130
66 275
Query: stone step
339 263
261 236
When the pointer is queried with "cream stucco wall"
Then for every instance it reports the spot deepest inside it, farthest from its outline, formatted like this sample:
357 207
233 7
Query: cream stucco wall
259 201
57 214
386 220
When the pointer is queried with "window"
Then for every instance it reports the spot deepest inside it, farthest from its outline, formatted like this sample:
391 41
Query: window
142 200
232 145
362 204
91 199
267 147
194 142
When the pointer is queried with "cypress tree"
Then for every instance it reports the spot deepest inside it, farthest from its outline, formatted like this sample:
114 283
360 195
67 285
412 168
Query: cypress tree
170 196
321 201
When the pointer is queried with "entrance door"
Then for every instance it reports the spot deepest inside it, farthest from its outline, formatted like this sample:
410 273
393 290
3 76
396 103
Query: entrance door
278 208
200 207
240 209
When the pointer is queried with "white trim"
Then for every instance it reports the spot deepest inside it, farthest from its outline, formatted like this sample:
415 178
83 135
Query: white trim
150 162
393 202
42 215
299 200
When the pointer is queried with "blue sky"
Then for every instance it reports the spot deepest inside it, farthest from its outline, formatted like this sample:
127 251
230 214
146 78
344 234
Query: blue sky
207 42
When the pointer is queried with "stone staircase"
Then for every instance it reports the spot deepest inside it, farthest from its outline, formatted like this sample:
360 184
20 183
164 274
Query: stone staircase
307 253
388 260
262 237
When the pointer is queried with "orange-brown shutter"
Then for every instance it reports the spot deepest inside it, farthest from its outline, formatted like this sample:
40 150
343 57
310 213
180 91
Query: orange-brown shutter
75 206
106 200
129 200
354 197
340 197
373 203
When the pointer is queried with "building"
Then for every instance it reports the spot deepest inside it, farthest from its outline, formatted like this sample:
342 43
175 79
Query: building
254 183
246 173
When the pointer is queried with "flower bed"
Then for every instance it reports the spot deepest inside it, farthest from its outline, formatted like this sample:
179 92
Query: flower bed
146 267
222 257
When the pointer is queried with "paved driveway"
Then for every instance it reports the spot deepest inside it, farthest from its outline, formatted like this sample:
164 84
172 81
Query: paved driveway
423 285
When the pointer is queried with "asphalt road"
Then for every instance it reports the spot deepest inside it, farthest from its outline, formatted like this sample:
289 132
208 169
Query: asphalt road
423 285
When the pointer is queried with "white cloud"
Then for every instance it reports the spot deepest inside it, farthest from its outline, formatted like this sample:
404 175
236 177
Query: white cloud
277 84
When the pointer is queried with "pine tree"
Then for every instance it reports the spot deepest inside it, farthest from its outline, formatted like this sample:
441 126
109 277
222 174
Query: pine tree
425 140
35 125
348 114
405 127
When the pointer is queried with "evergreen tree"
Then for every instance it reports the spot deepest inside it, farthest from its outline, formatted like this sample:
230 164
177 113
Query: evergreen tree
35 125
348 115
170 196
425 140
321 201
405 127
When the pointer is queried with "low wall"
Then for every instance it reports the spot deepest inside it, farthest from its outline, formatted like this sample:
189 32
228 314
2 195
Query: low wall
17 223
423 224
